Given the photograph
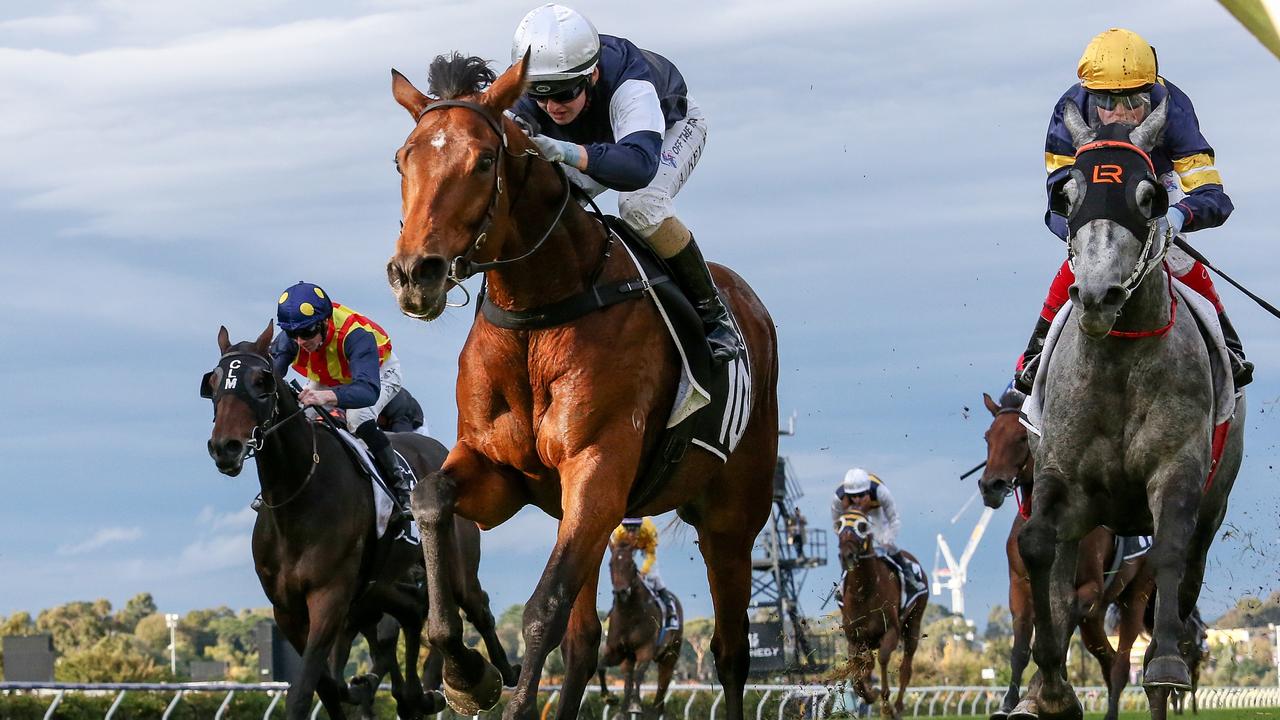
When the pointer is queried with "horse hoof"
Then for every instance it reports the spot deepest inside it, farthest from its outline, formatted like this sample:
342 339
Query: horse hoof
432 702
1000 715
1028 709
514 677
1168 671
362 688
481 696
610 699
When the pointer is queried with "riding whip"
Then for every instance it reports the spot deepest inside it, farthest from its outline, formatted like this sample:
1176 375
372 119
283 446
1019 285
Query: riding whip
1186 247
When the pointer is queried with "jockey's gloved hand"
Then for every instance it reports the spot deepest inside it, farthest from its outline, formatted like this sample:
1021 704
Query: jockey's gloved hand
529 128
1175 218
558 150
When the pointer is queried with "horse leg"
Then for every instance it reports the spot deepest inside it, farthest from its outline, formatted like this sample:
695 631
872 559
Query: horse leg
590 514
327 613
888 642
475 601
1132 606
581 649
1020 655
639 669
629 691
1175 507
910 640
727 555
382 651
471 684
1052 566
1158 699
666 668
1093 634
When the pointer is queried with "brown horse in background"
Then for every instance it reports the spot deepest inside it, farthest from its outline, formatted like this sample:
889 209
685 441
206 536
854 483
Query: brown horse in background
874 620
315 545
567 417
636 636
1009 469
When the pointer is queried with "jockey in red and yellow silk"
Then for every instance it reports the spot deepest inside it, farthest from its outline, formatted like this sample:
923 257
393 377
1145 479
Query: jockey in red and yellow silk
329 366
349 362
1119 84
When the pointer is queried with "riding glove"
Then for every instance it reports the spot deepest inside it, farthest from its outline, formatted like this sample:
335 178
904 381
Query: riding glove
1175 217
558 150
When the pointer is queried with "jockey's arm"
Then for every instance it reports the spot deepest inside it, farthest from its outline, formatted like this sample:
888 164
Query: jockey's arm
892 523
1206 204
1059 156
638 124
283 352
362 357
837 509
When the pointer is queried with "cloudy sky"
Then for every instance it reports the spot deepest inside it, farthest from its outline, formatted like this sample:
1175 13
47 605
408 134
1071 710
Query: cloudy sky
873 169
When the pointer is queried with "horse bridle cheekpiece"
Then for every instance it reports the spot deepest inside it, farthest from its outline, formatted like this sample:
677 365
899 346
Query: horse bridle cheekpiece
461 267
231 376
1109 174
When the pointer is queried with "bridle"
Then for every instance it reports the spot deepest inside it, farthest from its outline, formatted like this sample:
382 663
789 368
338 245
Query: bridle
849 523
228 381
462 267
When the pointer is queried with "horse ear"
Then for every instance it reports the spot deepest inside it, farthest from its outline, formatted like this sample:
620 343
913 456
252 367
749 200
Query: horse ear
407 95
263 342
224 339
1148 133
1081 133
991 404
507 89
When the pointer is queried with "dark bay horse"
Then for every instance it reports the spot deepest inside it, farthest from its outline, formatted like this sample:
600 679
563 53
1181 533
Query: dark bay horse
636 634
1128 415
873 618
567 417
1010 468
314 542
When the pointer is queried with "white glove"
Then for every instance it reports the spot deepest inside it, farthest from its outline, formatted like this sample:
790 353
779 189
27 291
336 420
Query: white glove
1175 218
558 150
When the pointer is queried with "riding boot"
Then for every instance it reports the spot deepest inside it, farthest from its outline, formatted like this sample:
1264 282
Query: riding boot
908 573
1241 369
1026 377
398 478
691 274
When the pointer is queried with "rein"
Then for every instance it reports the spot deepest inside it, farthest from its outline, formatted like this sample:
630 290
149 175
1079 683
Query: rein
1173 316
461 267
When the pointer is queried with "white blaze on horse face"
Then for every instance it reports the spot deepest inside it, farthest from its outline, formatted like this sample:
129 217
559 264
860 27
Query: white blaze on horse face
439 140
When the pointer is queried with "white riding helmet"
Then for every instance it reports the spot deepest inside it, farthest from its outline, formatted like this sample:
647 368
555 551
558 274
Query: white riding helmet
563 45
856 481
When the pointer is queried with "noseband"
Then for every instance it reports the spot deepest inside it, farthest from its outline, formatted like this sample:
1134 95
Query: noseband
461 267
228 381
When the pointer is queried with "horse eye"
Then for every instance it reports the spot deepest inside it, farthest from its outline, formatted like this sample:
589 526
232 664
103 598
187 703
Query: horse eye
484 164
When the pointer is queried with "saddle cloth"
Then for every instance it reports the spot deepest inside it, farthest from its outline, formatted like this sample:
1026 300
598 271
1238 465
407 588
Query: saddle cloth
1224 398
1128 548
382 502
905 601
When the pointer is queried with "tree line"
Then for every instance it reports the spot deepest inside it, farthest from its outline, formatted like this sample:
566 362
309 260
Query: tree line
96 643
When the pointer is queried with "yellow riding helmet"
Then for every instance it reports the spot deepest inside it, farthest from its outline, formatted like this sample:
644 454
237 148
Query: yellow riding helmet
1117 60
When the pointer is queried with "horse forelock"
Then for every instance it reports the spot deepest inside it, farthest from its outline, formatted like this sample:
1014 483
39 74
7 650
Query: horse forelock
456 75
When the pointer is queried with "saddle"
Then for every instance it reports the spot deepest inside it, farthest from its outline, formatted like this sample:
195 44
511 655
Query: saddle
383 504
713 402
916 578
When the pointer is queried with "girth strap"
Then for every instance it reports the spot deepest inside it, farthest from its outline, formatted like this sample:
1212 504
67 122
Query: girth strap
571 308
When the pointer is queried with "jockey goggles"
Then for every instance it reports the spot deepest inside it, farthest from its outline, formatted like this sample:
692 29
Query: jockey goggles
1127 100
307 332
561 91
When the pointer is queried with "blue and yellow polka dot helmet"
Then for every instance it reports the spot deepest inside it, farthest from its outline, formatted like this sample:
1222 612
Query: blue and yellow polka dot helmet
302 306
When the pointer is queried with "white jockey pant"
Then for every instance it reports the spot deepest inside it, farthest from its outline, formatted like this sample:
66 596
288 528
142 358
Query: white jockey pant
646 208
389 381
654 579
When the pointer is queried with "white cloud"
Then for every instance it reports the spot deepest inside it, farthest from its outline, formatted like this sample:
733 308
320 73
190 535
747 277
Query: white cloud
102 538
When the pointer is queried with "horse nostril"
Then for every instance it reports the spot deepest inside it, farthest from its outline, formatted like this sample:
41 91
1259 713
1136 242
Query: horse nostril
429 270
395 275
1114 296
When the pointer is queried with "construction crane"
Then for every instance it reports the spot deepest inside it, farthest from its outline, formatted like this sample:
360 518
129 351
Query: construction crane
956 573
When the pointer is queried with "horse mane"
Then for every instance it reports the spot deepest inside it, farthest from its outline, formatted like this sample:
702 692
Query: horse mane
455 75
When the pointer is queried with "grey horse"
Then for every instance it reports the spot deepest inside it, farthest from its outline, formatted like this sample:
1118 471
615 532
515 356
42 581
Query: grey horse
1127 419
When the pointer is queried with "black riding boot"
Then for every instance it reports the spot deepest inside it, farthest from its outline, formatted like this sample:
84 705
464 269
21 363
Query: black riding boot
1023 380
396 475
689 270
908 572
1241 369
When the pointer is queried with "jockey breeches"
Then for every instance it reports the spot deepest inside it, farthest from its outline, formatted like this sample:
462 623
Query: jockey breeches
646 208
1191 272
389 381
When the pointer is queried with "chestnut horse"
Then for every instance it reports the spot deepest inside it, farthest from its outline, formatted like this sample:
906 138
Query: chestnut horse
636 634
315 548
1010 468
874 620
567 417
